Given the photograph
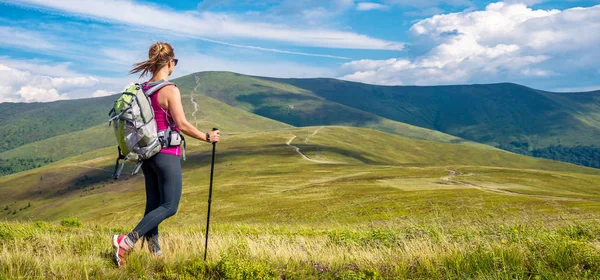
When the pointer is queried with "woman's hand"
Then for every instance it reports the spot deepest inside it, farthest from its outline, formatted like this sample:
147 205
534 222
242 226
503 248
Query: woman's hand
215 136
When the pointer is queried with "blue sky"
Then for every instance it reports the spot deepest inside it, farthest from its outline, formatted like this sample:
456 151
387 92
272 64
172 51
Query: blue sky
73 49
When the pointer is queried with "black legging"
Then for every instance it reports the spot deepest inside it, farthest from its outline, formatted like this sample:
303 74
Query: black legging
162 173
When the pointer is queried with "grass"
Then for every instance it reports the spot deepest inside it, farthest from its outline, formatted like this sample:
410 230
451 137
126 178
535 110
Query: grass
392 250
392 208
259 173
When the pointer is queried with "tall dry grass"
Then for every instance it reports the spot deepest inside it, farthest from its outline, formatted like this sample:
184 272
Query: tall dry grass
567 250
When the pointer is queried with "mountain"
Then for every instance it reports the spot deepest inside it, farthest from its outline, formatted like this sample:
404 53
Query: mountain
45 132
293 105
60 135
503 115
561 126
261 176
24 123
508 116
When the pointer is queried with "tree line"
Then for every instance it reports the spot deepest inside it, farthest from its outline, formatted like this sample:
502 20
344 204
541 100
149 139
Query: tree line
14 165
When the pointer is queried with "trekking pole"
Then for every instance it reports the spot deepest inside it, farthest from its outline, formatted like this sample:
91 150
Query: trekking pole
212 169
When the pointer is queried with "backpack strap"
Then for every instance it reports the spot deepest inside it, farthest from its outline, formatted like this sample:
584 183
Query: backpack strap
137 167
119 168
183 148
157 87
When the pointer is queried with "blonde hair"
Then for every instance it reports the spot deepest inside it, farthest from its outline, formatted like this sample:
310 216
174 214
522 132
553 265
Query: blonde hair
159 55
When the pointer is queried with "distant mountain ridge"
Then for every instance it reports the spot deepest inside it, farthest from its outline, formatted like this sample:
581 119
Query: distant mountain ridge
562 126
489 113
509 116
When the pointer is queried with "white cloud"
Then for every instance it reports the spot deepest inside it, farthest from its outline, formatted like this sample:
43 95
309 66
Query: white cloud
7 94
203 25
578 89
20 82
536 72
24 86
102 92
503 42
36 94
39 67
368 6
21 38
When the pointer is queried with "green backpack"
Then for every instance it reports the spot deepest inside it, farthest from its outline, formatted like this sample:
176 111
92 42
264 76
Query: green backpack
132 117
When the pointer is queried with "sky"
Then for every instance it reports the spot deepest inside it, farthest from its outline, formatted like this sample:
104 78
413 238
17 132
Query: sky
67 49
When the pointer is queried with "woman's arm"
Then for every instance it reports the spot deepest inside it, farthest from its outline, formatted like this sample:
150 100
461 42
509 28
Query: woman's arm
173 103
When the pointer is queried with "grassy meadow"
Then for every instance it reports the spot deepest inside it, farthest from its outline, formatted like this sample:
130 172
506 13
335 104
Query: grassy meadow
360 204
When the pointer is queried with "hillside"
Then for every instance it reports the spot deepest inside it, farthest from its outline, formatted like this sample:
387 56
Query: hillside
351 201
257 166
24 123
45 125
295 106
508 116
211 113
505 115
560 126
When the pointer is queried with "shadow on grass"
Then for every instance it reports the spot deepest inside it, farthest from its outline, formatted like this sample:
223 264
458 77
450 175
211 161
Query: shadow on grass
303 110
71 180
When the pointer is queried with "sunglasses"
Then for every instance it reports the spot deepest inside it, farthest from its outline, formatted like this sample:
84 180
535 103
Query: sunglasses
175 60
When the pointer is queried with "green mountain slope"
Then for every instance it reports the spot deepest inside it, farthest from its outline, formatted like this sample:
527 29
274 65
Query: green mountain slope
295 106
69 137
24 123
508 116
561 126
262 178
211 113
502 115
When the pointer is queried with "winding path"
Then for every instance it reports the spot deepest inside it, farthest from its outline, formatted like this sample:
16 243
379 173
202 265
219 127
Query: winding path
192 98
289 143
313 134
453 173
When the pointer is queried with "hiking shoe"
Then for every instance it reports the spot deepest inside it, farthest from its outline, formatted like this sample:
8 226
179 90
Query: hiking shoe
121 248
153 246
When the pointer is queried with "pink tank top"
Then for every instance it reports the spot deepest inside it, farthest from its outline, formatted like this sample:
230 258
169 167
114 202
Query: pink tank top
162 117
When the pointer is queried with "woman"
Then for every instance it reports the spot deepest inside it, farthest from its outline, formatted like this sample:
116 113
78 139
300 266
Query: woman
162 172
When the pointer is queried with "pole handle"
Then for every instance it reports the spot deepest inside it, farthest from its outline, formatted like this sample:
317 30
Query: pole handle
214 129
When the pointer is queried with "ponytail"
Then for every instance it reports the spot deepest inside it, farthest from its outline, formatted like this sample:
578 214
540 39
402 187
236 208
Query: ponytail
159 55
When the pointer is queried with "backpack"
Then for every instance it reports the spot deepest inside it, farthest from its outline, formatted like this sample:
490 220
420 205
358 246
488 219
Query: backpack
132 118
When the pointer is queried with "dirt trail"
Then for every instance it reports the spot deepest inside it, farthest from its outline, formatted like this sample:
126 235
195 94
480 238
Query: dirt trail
453 173
87 167
313 134
192 98
289 143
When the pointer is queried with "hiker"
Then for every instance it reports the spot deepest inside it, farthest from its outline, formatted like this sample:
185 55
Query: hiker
162 172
